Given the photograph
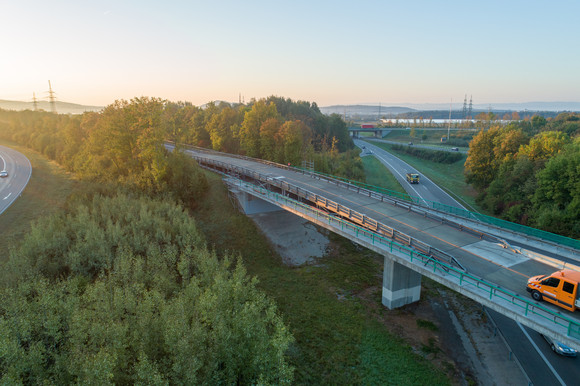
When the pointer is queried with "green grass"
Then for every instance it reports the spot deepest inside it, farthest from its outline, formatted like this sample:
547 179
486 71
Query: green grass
378 175
338 341
46 193
384 361
448 176
432 137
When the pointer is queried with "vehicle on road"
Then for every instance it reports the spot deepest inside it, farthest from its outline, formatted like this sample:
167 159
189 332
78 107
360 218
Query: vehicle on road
410 143
559 347
454 149
559 288
413 178
3 173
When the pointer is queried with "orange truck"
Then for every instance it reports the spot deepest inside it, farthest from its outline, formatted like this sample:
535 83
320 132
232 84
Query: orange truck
560 288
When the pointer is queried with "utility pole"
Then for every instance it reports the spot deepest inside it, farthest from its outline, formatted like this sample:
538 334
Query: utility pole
465 107
51 98
34 102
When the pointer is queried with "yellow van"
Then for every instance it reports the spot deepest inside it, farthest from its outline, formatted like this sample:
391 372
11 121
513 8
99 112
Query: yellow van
560 288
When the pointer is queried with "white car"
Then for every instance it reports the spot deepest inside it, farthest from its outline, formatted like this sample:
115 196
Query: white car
3 173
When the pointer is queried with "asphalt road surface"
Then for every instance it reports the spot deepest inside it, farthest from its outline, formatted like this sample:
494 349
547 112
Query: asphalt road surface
19 172
542 366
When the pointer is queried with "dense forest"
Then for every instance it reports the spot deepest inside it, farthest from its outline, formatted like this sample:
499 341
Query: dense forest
120 287
125 141
529 172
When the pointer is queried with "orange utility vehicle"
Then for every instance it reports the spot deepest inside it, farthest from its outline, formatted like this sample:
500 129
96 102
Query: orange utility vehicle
560 288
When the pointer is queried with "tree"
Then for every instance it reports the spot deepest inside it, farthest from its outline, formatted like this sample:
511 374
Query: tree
136 297
250 130
224 128
270 141
480 166
557 198
292 134
545 145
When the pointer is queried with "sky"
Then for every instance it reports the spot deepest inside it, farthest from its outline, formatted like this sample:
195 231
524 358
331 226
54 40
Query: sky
328 52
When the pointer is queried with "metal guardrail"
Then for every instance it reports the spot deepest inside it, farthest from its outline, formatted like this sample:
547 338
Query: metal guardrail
332 206
464 279
471 283
504 224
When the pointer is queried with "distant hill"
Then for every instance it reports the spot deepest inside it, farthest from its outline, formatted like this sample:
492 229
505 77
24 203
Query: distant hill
61 107
530 106
365 110
437 110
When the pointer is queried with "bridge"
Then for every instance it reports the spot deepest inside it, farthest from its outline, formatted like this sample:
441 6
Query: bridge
378 132
461 252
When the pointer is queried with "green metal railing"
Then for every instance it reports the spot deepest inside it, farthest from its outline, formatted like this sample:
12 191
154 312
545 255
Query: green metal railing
508 225
529 231
476 285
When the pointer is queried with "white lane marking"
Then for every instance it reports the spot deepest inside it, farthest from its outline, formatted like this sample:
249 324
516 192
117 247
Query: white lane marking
396 171
9 194
542 356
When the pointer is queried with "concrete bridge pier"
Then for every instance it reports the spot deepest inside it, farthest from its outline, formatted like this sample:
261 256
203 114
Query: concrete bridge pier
401 285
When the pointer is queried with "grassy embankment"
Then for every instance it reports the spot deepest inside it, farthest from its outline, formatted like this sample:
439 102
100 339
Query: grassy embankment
339 339
458 138
450 177
46 192
378 175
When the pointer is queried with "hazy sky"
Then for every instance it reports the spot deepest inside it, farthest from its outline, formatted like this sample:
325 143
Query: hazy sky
328 52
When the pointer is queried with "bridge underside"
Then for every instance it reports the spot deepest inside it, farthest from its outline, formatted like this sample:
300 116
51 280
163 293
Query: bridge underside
401 285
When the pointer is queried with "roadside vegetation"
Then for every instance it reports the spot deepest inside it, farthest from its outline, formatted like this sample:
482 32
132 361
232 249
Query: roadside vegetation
140 271
449 177
336 322
442 157
457 138
378 175
528 172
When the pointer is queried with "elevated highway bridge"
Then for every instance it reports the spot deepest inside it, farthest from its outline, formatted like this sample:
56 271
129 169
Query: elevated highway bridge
460 253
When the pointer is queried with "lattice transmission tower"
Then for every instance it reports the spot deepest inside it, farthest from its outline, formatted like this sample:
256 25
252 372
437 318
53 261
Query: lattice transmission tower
34 102
51 98
470 109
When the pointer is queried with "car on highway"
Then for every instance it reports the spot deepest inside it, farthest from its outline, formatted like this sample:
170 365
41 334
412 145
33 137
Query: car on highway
560 348
454 149
3 173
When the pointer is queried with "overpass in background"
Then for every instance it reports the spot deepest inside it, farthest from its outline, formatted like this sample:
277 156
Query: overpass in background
377 131
464 254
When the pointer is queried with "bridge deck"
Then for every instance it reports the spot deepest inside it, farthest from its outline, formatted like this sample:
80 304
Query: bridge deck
483 258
